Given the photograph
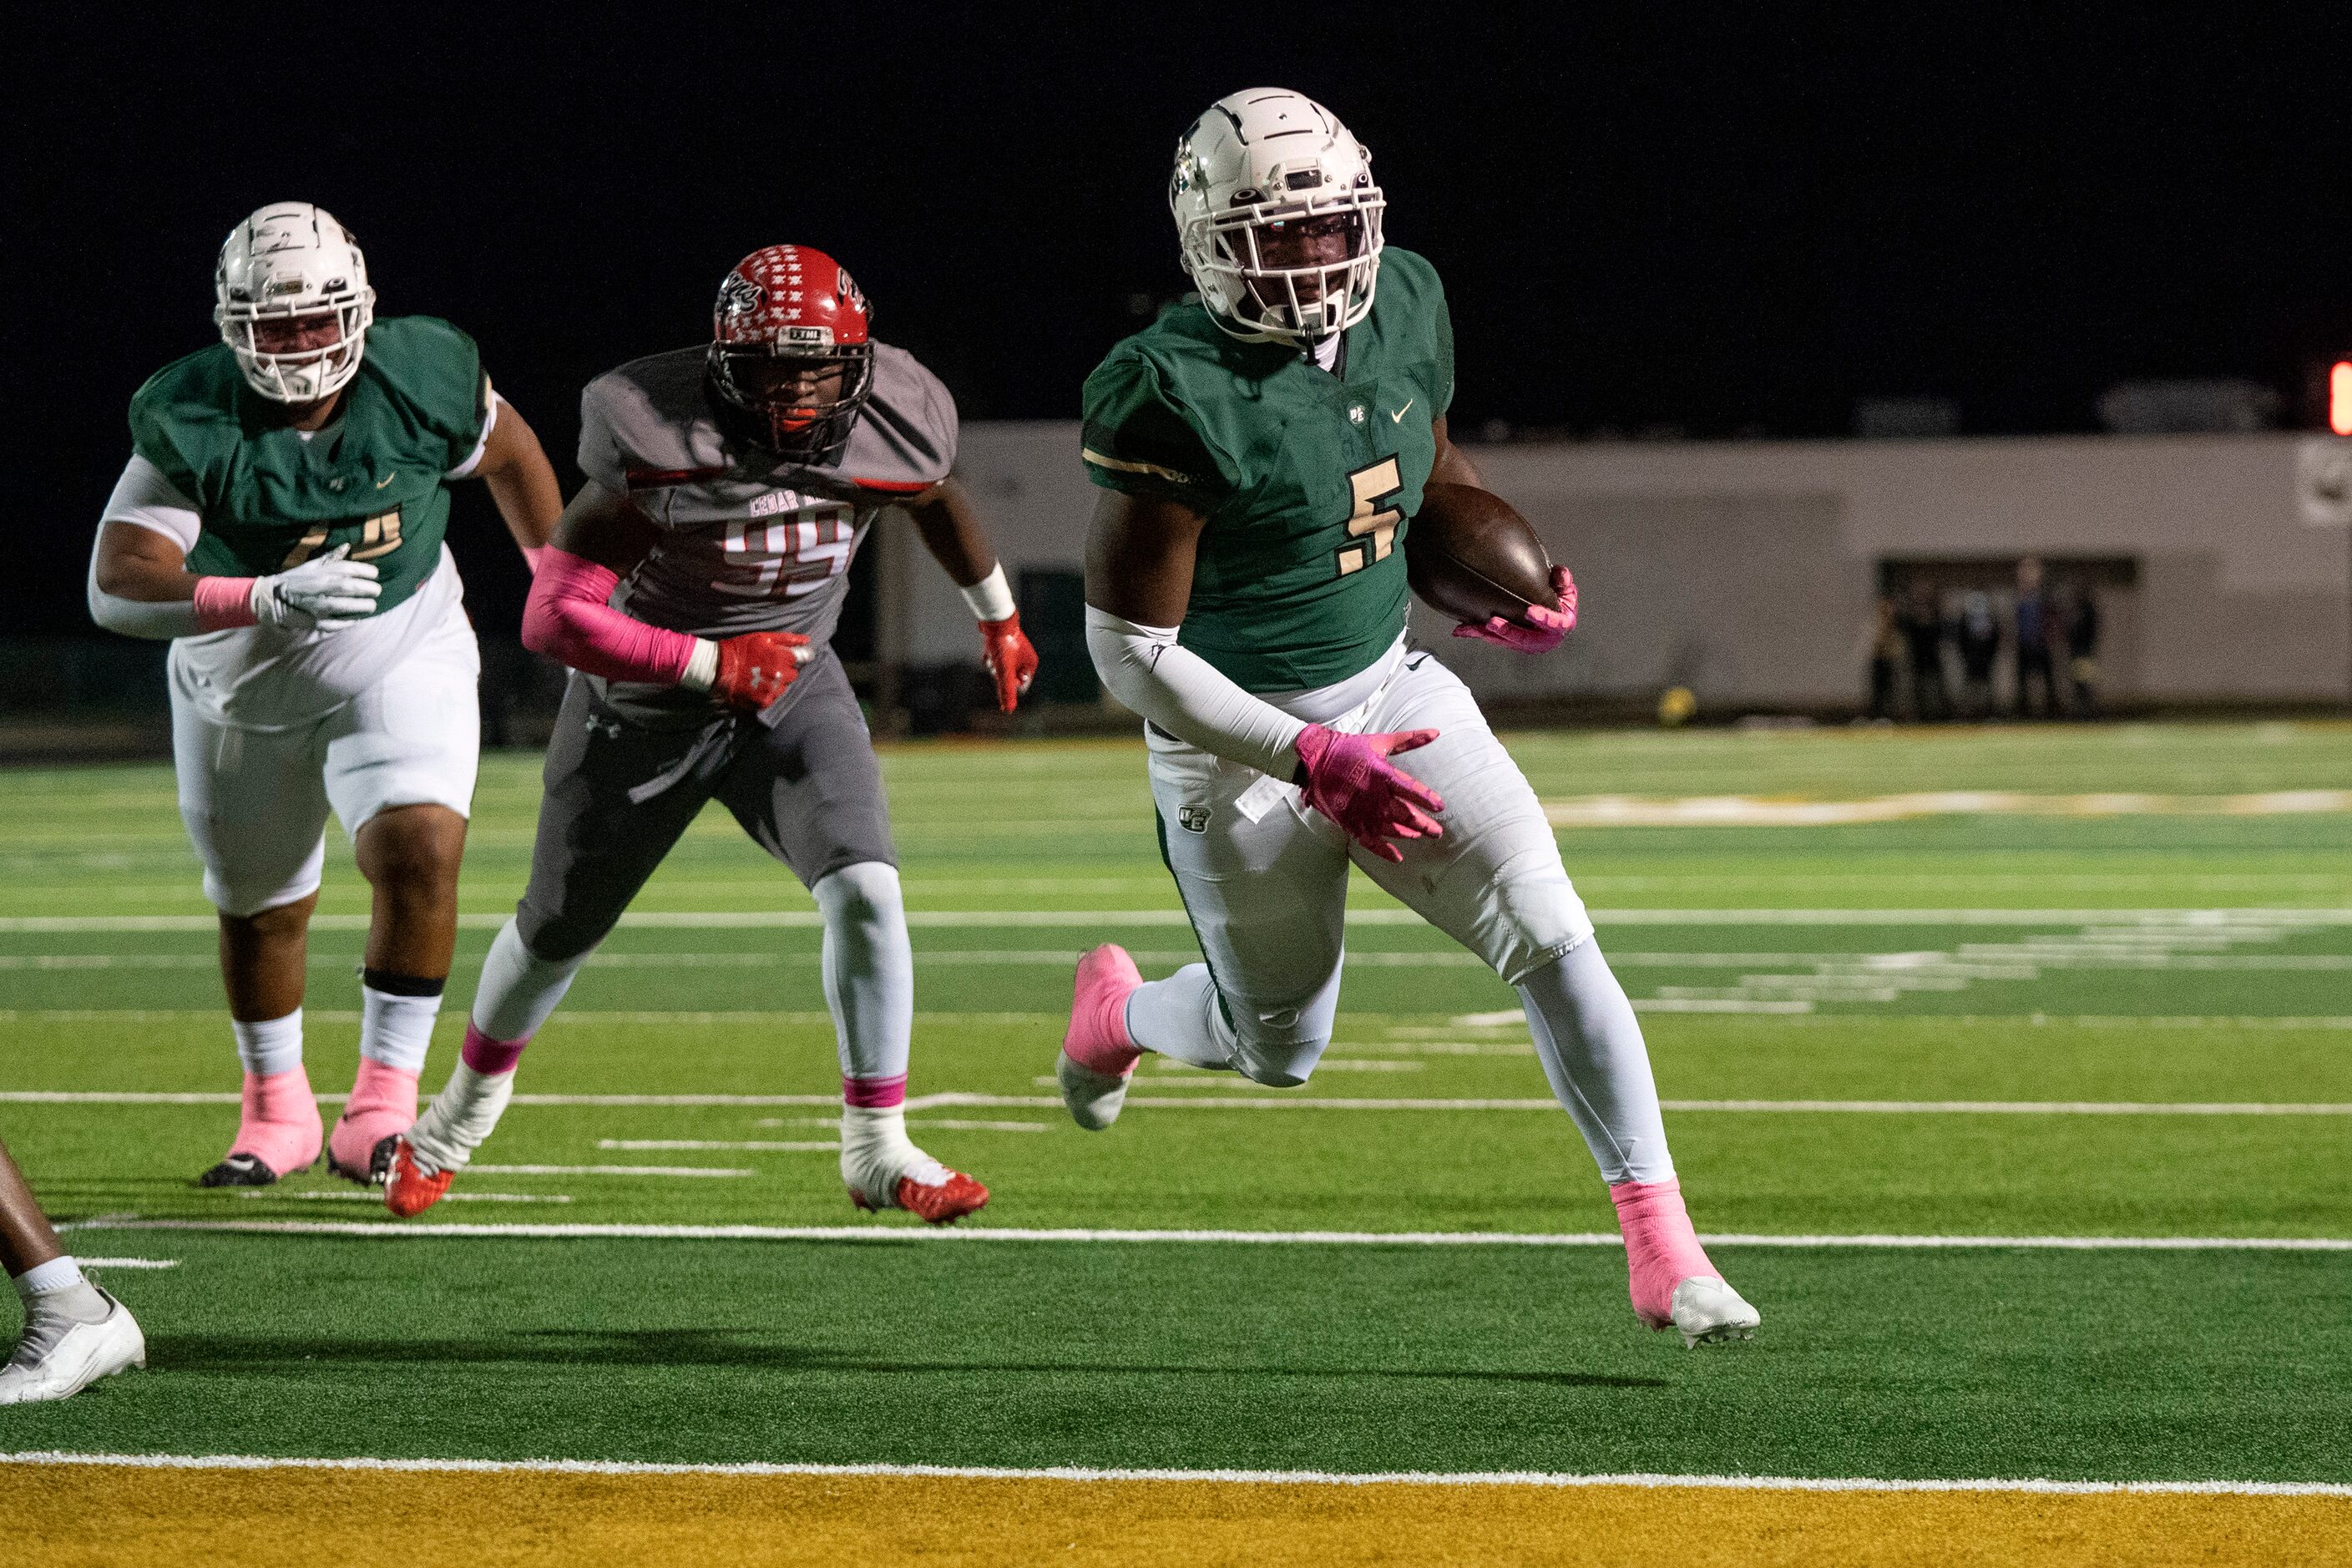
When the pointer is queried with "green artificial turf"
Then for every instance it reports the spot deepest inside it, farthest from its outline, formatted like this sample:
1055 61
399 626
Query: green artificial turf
1996 977
1873 1363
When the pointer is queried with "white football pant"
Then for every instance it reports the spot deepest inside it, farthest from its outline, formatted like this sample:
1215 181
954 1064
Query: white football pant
256 800
1264 880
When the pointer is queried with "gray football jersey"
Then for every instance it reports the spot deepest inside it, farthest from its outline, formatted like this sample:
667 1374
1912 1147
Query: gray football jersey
750 542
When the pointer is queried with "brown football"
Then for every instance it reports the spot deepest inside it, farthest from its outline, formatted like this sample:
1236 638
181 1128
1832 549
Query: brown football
1468 554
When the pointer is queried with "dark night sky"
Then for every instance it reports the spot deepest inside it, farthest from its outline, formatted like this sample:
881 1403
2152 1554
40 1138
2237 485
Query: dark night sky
1715 218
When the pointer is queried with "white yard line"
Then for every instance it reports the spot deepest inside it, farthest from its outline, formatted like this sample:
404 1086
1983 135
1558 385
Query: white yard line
747 1146
765 920
127 1262
1441 959
608 1171
1645 1479
1756 811
566 1232
1221 1097
1784 1010
377 1198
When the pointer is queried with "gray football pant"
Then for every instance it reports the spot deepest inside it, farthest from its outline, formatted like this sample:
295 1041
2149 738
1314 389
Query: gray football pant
1264 881
620 793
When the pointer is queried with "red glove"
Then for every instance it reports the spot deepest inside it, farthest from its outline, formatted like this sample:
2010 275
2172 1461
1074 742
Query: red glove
1350 779
1009 657
1542 631
754 669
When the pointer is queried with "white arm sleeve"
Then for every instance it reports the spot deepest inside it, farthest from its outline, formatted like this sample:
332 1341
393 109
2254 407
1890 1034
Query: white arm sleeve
1183 693
145 498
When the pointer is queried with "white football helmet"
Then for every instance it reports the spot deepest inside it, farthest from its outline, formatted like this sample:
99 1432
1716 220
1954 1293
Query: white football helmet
1257 162
291 259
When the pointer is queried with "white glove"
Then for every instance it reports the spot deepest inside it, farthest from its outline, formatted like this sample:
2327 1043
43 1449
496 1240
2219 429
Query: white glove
324 594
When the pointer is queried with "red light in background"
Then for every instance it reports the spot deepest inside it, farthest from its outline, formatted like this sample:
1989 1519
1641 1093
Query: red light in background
2339 398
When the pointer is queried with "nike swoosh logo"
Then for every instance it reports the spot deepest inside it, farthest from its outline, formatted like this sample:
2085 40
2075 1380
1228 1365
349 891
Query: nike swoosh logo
389 477
1398 417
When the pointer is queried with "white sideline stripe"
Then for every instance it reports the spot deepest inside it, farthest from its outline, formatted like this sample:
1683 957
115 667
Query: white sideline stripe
1267 1478
607 1171
1241 1238
1268 1100
128 1262
769 920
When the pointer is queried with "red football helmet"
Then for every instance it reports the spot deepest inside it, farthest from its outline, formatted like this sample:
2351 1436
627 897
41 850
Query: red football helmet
789 350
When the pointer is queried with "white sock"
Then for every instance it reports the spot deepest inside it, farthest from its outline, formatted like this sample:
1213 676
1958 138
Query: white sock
1178 1016
875 1146
62 1291
270 1046
395 1030
869 969
1592 1048
57 1274
518 991
461 1117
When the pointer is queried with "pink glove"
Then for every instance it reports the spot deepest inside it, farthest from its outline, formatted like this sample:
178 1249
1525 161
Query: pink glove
1542 631
1350 779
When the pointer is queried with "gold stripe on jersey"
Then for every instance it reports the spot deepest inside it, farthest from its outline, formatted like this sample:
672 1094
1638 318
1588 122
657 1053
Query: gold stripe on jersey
1124 466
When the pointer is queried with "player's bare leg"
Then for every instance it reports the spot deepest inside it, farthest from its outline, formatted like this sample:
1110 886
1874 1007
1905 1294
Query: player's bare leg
410 856
75 1333
869 986
263 957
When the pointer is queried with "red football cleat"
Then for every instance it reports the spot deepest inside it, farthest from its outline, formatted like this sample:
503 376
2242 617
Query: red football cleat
409 1192
943 1203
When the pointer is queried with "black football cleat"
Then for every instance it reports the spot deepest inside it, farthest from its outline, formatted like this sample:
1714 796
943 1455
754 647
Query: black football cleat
239 1171
379 1165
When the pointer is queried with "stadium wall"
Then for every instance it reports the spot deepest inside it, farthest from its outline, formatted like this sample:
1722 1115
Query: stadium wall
1745 570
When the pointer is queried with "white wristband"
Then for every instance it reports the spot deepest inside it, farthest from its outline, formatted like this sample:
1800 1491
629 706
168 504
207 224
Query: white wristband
702 667
989 599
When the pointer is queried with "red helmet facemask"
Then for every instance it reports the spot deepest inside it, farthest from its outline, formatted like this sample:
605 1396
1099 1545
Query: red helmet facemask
790 351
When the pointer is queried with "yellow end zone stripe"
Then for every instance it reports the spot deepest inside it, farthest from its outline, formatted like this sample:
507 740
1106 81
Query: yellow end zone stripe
262 1517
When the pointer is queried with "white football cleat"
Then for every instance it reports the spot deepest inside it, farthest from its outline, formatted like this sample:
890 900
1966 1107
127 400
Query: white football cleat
1708 1312
60 1357
1095 1099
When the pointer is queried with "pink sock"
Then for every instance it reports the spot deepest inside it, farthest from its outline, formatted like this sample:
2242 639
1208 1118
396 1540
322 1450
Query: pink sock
874 1093
383 1102
278 1124
1098 1038
488 1056
1661 1251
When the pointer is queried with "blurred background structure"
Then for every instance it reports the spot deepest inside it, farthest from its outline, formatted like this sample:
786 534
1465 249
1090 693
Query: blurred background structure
1796 335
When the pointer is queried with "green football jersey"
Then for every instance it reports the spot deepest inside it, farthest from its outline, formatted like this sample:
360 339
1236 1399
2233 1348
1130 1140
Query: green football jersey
1307 477
373 479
